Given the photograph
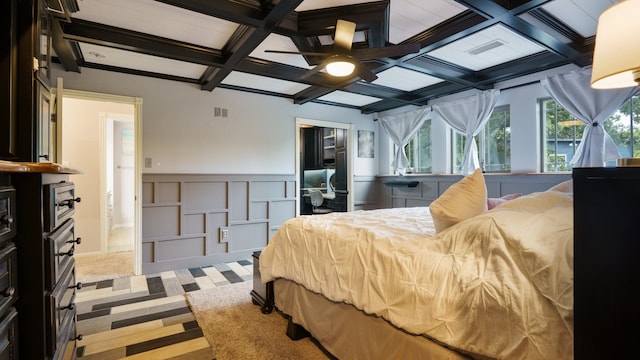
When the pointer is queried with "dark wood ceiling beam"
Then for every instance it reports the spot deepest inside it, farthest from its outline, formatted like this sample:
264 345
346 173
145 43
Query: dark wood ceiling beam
62 48
104 35
520 67
450 30
251 41
442 70
585 45
230 10
138 72
422 97
312 22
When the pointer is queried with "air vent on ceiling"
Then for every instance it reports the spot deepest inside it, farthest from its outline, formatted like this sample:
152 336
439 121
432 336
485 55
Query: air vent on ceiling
485 47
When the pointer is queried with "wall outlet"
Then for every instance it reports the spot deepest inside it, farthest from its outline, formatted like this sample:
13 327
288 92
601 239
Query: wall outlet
224 234
148 162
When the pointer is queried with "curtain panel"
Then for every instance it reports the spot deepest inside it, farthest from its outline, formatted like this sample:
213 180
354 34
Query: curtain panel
468 116
401 128
574 93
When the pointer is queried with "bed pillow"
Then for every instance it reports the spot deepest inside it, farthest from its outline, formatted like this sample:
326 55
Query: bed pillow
462 200
565 186
493 202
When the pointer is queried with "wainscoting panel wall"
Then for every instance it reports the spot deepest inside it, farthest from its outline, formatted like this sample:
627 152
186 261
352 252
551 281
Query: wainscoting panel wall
421 190
193 220
365 192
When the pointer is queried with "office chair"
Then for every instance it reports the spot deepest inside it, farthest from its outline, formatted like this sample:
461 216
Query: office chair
316 202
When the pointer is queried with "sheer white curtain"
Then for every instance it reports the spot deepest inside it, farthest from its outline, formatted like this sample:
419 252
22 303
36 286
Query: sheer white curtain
468 117
401 128
574 93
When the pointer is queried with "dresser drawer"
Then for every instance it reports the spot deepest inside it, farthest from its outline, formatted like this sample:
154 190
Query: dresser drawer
8 277
59 204
61 311
7 213
9 335
67 341
59 249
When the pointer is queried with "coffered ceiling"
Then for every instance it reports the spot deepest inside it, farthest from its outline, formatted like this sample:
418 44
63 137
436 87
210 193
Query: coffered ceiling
463 44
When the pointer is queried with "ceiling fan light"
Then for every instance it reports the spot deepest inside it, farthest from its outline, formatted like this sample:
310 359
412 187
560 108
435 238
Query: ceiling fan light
340 68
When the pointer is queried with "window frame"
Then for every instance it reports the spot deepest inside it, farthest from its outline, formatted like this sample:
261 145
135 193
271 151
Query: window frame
626 120
415 155
480 141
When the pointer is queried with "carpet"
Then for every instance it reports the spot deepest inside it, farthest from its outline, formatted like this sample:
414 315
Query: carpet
237 329
103 266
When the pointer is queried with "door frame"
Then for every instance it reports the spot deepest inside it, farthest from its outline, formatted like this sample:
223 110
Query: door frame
303 122
137 124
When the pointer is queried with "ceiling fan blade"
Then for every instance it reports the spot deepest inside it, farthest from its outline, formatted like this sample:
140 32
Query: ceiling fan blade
309 53
364 73
343 37
387 51
314 70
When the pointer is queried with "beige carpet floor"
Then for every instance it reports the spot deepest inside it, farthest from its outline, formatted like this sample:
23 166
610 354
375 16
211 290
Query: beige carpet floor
237 329
103 266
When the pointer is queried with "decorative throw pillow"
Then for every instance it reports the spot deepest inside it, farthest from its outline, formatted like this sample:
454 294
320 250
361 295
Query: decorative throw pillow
493 202
462 200
565 186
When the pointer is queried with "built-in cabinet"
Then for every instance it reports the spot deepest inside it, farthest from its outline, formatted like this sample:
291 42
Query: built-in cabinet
328 147
605 264
25 116
318 148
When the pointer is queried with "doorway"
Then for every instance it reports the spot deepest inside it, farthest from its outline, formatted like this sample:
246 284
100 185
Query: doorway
333 171
99 134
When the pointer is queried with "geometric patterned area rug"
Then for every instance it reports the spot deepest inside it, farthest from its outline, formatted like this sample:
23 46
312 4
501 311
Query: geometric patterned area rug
147 316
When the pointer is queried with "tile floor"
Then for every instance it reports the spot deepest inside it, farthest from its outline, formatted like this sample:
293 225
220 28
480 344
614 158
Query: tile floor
147 316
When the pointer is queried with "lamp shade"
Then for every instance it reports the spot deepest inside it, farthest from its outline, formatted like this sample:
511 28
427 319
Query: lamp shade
616 57
340 67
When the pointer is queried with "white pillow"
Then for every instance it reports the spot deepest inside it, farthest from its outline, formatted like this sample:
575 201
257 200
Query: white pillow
462 200
565 186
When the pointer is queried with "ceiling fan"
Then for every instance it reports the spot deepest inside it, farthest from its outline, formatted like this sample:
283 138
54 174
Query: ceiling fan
342 61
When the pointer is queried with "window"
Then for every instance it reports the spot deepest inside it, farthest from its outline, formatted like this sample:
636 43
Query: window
494 143
418 150
563 133
624 127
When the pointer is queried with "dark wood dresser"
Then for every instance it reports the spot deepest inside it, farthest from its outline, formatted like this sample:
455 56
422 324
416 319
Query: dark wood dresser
8 270
45 241
606 263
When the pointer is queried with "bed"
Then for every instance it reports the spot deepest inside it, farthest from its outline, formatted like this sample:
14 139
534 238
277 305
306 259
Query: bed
390 284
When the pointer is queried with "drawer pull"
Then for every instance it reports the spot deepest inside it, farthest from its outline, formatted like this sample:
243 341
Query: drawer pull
7 219
8 292
79 338
77 241
68 253
77 286
68 202
70 307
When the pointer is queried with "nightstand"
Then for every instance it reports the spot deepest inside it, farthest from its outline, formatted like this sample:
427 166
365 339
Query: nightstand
262 294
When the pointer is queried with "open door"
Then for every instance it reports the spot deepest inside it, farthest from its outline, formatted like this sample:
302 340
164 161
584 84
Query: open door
338 163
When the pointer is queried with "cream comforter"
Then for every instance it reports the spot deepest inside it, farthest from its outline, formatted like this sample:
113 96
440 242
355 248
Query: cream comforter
497 285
